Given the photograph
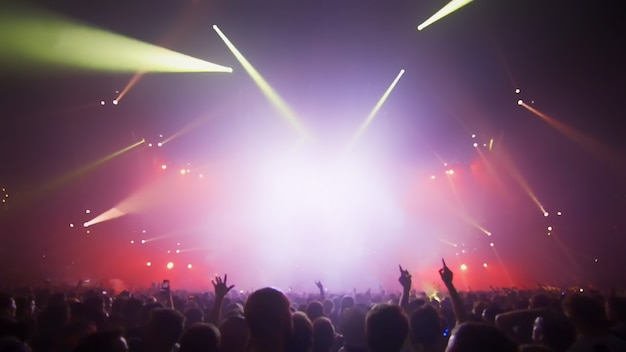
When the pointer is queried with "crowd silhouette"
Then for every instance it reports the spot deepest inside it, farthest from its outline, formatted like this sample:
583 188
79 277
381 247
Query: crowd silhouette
50 319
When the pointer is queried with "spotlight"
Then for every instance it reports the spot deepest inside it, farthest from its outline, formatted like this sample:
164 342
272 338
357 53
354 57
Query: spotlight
159 144
559 213
473 136
549 228
170 265
115 102
102 102
183 171
177 251
488 233
149 144
143 231
475 145
517 91
520 102
164 167
143 241
485 265
491 244
463 267
148 263
132 242
595 260
87 211
189 266
72 225
546 214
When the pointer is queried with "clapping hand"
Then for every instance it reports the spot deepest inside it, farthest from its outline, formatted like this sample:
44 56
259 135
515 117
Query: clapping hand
405 279
446 274
220 286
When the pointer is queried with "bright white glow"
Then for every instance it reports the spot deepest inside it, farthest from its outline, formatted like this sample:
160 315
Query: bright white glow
299 201
491 244
148 263
87 211
143 241
177 251
132 242
170 265
164 167
115 102
189 266
71 225
559 213
549 228
143 231
102 102
517 91
475 145
149 144
463 267
159 144
485 265
183 171
450 172
546 214
520 102
473 136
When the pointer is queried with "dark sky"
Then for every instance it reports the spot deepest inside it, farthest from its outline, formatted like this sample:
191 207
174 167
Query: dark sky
567 56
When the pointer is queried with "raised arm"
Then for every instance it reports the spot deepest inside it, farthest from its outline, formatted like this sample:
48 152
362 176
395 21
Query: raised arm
457 302
221 289
405 281
321 288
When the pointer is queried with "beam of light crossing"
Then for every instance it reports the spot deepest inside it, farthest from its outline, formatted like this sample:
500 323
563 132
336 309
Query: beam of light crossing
517 176
368 120
32 38
272 96
504 269
596 148
443 12
94 164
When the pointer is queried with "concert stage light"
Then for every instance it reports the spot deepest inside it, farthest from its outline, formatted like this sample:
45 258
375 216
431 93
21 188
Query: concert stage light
372 114
279 104
34 38
443 12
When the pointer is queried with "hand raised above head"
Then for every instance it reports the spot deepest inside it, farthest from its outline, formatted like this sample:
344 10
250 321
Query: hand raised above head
220 287
319 285
445 273
405 278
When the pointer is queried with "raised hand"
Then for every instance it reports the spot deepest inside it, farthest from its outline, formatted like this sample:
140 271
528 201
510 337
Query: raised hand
405 279
319 285
445 273
220 287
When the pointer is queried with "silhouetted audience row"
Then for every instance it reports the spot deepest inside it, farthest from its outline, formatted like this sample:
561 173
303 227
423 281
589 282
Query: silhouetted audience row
268 320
